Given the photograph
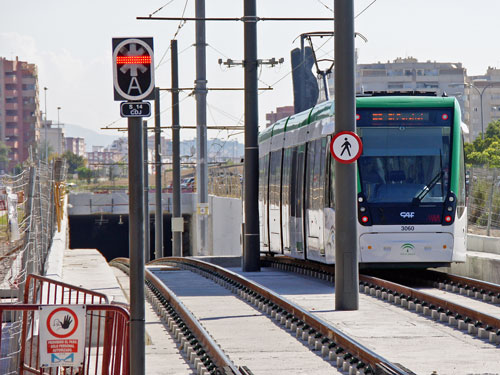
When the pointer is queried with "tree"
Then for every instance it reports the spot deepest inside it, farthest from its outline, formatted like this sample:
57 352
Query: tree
4 156
74 161
84 173
485 151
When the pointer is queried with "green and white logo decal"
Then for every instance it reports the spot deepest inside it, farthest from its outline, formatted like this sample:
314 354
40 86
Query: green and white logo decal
408 249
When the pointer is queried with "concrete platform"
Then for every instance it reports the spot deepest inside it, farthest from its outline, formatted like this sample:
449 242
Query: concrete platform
417 342
162 352
247 336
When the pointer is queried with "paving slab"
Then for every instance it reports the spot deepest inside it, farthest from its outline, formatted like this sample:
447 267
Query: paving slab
247 336
162 352
417 342
87 268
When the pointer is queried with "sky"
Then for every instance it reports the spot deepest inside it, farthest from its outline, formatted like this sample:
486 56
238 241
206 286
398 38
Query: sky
70 42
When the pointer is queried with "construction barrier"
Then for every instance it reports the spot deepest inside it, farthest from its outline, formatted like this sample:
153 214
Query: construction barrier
104 347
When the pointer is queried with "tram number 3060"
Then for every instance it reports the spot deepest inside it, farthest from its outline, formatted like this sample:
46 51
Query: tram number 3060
407 228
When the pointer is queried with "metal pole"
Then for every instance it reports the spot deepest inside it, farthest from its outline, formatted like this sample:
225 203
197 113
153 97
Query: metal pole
136 247
251 248
346 243
58 133
481 104
176 160
146 192
490 203
201 123
158 211
46 140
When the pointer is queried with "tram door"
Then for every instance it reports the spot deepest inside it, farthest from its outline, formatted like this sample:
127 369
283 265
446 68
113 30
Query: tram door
314 194
275 202
296 223
264 202
289 156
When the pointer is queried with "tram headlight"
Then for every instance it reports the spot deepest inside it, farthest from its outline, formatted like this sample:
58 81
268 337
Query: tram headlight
449 208
362 209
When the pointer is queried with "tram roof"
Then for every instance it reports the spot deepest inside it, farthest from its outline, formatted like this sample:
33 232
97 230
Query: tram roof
325 109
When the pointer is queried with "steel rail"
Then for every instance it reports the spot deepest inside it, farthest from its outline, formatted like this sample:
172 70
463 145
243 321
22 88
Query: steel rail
466 283
351 349
213 350
447 307
450 309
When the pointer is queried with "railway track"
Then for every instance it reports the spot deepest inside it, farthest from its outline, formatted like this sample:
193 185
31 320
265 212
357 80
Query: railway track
195 342
325 340
473 321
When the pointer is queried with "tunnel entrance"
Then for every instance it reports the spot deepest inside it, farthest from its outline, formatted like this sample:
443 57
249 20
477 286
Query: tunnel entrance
108 233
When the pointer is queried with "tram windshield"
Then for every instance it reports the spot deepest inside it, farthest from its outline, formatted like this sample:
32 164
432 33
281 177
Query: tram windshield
400 163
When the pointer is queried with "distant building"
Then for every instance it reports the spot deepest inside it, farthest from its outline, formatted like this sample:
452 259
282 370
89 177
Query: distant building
99 159
19 109
404 74
281 112
55 137
485 88
75 145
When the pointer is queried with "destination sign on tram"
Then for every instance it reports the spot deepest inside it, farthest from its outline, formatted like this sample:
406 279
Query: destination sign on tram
419 116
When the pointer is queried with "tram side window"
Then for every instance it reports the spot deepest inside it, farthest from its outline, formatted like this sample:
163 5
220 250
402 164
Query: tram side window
321 176
263 178
311 148
461 183
299 187
316 168
293 181
285 184
331 185
275 179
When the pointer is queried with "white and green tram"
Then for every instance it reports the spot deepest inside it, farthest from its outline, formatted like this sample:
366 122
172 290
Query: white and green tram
411 183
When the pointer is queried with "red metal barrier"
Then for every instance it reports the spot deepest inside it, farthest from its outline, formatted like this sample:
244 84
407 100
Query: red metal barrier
42 290
107 330
104 355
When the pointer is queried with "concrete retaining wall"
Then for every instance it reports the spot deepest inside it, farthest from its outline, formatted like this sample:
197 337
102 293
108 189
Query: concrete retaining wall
484 244
224 225
117 203
483 259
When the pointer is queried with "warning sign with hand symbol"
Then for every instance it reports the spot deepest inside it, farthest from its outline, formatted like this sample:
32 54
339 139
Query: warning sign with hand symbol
62 335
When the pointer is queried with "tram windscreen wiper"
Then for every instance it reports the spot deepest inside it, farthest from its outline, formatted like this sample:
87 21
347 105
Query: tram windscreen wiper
427 188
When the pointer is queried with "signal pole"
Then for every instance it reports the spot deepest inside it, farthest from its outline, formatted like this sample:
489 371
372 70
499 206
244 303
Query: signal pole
158 203
346 242
201 130
251 248
177 221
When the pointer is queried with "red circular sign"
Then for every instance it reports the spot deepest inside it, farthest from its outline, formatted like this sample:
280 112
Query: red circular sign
346 147
62 335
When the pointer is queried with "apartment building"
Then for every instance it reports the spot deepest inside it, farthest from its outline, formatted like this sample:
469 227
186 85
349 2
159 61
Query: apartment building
19 109
482 101
76 145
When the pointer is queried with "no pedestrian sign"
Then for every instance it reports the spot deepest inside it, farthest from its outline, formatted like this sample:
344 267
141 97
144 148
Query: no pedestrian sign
346 147
62 335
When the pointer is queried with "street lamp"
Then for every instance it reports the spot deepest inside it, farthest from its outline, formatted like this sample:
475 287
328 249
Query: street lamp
480 92
58 133
46 141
